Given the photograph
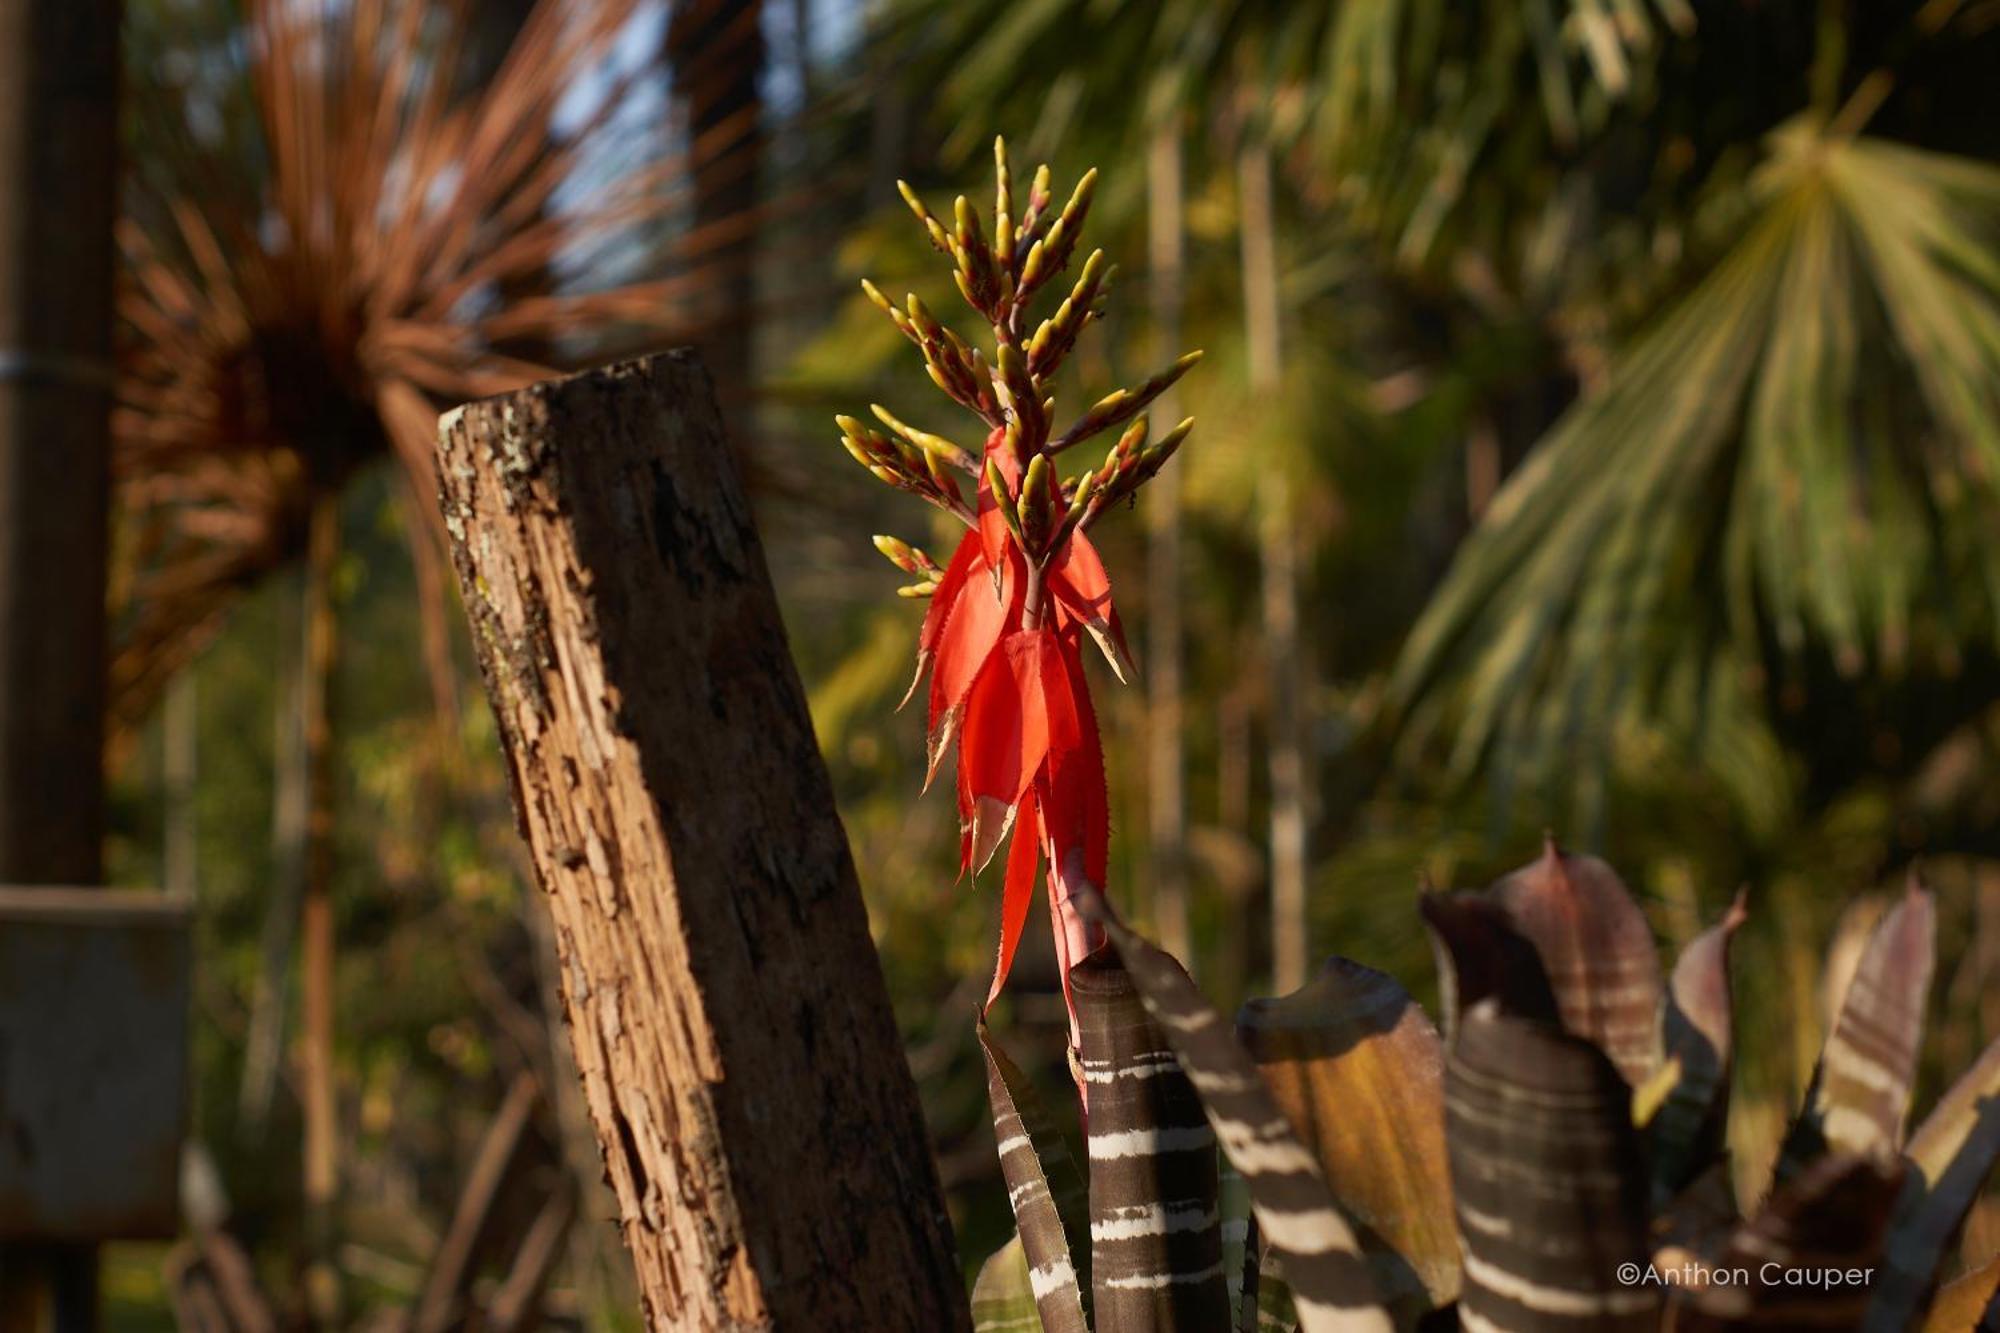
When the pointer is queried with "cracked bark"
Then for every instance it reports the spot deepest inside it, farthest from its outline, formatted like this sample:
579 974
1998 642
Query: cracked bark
740 1064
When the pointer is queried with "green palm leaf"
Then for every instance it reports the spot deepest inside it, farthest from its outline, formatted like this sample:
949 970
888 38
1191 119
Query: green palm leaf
1798 456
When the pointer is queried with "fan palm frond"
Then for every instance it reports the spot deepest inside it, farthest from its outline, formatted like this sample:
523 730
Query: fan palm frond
1801 456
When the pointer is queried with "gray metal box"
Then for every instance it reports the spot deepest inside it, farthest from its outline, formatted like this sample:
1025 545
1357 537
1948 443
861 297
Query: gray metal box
93 1062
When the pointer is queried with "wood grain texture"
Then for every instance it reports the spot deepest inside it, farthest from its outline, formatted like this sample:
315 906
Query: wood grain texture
727 1010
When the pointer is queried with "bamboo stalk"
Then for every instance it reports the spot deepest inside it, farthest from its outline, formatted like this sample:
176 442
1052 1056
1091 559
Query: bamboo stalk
1278 545
517 1304
1166 758
451 1270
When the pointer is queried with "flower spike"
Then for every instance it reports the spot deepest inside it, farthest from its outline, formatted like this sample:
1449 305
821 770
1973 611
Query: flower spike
1002 639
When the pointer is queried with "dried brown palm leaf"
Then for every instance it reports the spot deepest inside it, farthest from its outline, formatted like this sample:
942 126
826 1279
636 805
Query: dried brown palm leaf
303 290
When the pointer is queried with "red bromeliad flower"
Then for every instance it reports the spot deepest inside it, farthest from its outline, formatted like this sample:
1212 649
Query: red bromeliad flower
1002 641
1007 685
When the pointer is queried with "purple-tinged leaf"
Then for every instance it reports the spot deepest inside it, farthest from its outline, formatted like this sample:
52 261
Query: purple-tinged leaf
1358 1069
1044 1190
1830 1218
1699 1219
1951 1158
1596 950
1548 1179
1860 1091
1687 1133
1481 956
1329 1277
1155 1219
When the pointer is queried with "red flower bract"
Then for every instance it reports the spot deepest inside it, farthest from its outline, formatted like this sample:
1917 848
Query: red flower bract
1007 685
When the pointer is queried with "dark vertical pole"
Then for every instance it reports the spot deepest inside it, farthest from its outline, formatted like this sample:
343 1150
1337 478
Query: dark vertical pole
715 50
58 192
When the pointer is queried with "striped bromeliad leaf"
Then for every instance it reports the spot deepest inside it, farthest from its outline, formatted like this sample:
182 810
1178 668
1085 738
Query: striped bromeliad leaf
1699 1219
1155 1222
1321 1258
1950 1156
1832 1216
1045 1193
1860 1091
1358 1069
1273 1311
1561 1168
1596 950
1548 1177
1686 1136
1258 1296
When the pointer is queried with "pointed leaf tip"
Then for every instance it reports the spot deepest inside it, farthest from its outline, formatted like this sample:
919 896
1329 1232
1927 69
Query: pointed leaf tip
991 819
1597 950
924 657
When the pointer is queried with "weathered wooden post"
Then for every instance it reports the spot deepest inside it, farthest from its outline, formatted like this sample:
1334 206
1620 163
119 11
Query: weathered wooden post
742 1068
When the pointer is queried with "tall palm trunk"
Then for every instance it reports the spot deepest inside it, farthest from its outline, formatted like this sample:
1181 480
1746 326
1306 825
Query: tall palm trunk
1278 546
1166 796
263 1049
495 27
320 1108
715 49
